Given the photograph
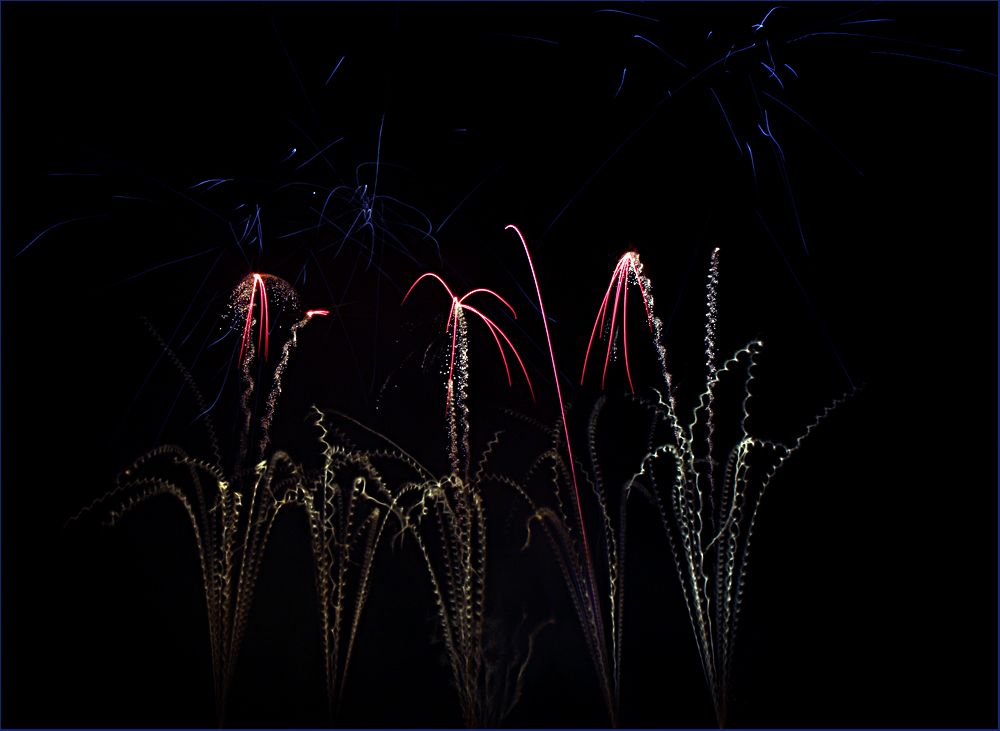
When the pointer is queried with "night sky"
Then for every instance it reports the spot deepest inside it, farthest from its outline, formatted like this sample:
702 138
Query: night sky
841 158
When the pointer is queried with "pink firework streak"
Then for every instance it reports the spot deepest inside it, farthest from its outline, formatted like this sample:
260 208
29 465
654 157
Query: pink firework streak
562 410
258 283
457 304
619 280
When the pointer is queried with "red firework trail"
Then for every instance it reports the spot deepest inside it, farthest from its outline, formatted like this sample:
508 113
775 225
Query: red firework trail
457 304
619 280
258 283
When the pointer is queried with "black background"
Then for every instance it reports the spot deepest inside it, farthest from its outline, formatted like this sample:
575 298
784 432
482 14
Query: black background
870 590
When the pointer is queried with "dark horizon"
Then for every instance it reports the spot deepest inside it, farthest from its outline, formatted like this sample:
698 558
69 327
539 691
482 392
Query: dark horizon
849 242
